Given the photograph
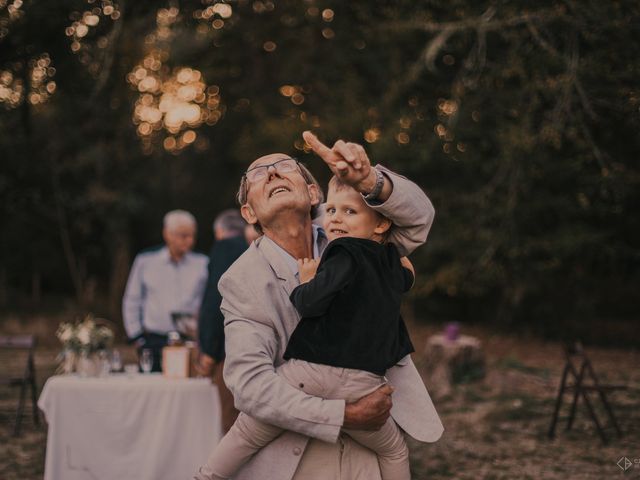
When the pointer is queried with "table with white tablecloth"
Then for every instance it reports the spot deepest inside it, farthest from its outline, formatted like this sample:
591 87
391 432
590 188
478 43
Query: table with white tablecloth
121 427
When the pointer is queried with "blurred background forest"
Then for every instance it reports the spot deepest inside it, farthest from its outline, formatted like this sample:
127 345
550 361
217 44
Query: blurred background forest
520 119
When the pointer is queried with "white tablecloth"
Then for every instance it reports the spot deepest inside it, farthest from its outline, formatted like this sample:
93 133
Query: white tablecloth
137 427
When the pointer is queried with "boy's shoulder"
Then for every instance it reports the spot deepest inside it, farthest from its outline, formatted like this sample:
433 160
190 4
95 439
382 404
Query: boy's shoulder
353 243
345 246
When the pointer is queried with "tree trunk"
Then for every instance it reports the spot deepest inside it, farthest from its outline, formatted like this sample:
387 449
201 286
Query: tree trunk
36 288
3 287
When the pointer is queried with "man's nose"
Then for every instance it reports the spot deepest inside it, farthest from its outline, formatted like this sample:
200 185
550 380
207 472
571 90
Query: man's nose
272 171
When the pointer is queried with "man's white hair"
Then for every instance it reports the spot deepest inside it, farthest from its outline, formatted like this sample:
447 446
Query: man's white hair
177 218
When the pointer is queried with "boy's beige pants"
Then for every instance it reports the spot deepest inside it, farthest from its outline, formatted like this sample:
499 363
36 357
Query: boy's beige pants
248 435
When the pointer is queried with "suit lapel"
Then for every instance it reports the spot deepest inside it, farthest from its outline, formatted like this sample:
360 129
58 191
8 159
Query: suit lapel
276 260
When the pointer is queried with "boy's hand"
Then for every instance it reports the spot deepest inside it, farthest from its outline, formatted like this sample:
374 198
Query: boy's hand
307 268
406 263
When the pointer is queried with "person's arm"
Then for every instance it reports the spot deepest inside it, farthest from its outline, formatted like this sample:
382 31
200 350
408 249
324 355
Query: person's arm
132 302
399 199
249 371
410 210
313 297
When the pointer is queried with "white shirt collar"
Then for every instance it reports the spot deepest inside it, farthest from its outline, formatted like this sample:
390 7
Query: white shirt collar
166 256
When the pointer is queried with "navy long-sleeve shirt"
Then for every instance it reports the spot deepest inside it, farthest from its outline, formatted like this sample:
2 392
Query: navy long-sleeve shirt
211 321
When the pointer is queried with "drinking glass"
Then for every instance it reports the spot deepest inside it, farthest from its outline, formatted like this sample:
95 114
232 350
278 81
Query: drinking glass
146 360
104 365
116 361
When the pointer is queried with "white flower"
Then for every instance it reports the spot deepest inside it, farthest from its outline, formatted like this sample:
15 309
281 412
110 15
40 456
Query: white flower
65 332
84 335
65 335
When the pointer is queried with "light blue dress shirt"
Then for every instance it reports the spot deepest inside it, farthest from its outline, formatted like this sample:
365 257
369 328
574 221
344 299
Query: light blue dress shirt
158 286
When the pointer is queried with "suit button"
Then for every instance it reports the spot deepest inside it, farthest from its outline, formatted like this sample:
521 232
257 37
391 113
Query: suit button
297 451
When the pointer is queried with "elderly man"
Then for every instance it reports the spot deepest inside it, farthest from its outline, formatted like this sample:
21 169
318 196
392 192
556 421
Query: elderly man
163 281
230 243
279 196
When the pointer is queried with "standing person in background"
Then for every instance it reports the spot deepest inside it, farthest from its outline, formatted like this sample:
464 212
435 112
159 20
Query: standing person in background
230 243
164 280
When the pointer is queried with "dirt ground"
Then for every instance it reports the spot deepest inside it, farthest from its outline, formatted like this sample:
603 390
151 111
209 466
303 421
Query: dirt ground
495 428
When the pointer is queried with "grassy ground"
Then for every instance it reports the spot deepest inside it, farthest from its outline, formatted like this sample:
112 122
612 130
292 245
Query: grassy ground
495 428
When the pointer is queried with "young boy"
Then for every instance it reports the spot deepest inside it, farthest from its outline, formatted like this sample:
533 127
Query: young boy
350 333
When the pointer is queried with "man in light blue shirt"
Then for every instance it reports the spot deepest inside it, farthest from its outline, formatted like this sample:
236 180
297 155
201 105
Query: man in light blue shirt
166 280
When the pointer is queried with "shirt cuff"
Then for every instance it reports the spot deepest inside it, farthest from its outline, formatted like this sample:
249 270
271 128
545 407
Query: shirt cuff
138 340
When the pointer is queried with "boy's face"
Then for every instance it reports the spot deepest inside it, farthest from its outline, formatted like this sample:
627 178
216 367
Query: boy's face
348 215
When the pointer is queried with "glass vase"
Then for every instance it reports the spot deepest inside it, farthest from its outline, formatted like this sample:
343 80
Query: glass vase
88 365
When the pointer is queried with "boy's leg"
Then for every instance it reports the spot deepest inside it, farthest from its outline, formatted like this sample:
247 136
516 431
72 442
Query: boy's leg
308 377
246 437
389 444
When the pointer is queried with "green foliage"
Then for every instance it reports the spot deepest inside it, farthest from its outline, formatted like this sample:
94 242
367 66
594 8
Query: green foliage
519 120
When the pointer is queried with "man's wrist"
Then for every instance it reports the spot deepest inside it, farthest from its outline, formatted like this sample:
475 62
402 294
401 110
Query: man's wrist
348 421
368 184
374 191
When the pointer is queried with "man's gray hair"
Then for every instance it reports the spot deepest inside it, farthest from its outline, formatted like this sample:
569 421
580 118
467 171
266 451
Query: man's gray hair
176 218
230 221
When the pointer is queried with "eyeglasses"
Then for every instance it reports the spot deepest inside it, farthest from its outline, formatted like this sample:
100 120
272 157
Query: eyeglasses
260 172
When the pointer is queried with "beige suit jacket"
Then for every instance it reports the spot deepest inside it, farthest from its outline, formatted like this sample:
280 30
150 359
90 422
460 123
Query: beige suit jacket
260 318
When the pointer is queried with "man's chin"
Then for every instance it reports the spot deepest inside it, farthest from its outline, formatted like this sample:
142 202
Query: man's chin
282 207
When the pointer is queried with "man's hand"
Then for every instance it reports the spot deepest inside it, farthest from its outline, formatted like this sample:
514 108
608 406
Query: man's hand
307 268
204 365
348 161
370 412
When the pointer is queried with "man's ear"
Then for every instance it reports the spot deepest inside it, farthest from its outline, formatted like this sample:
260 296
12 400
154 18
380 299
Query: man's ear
248 214
314 193
384 224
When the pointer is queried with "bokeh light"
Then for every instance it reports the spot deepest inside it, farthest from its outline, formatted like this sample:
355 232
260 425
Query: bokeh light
372 135
41 83
173 102
294 93
90 34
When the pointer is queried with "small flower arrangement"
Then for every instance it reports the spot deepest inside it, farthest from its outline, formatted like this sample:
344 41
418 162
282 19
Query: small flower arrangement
86 336
82 339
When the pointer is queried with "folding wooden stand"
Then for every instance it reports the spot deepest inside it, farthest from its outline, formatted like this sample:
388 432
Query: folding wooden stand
28 378
584 381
